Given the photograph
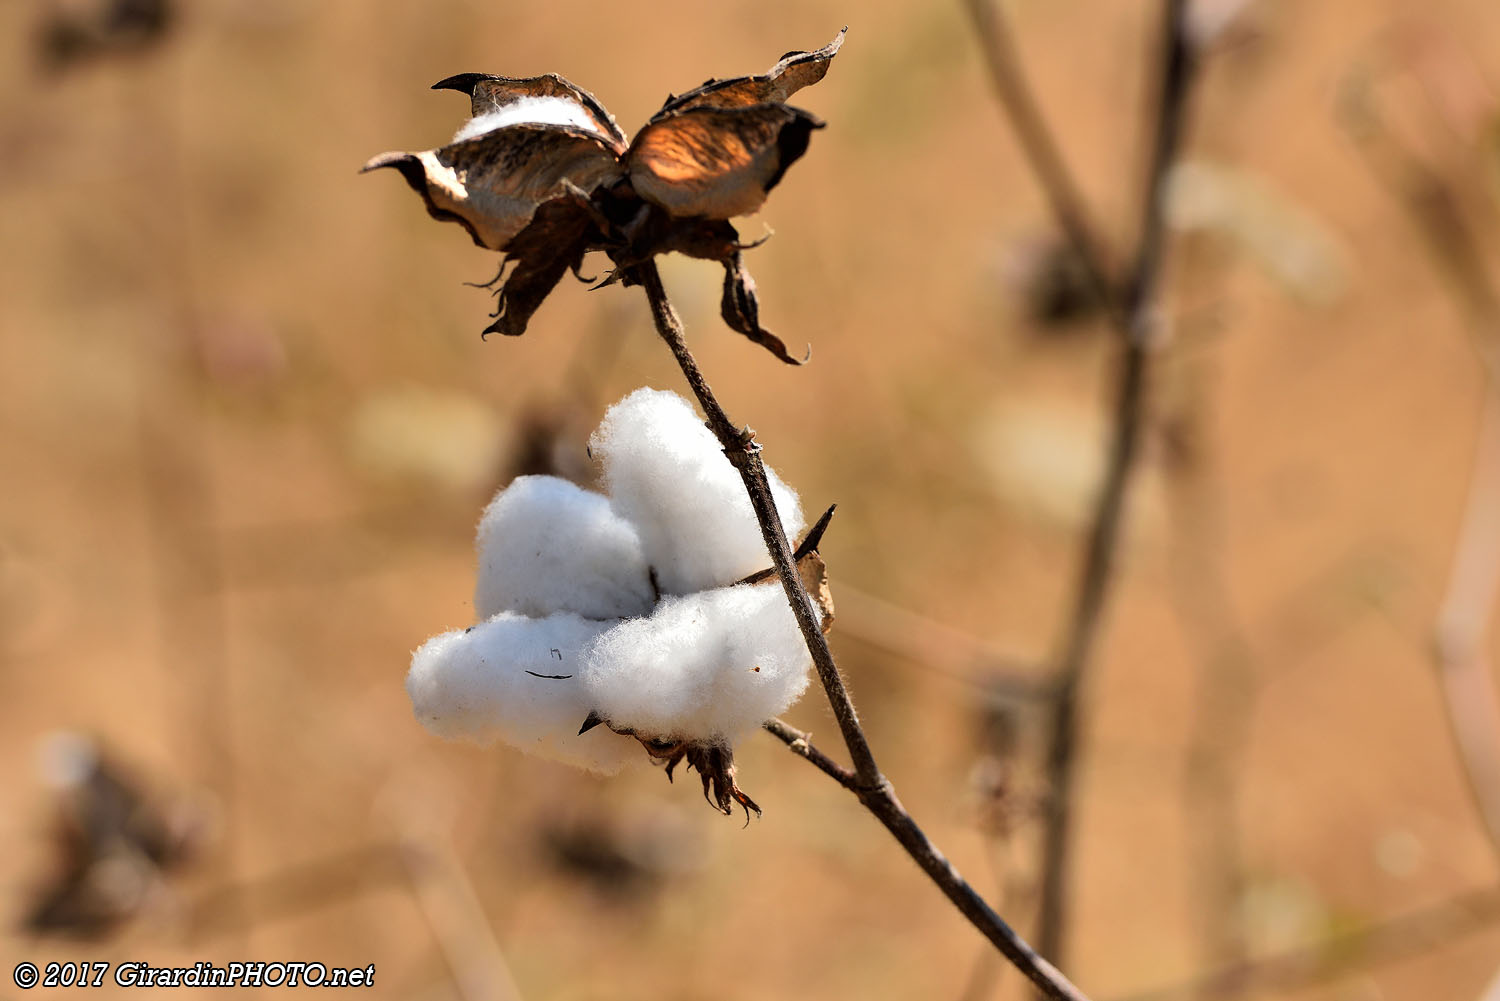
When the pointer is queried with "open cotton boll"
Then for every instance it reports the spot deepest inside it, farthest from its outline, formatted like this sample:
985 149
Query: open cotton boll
547 545
705 667
538 110
473 683
666 473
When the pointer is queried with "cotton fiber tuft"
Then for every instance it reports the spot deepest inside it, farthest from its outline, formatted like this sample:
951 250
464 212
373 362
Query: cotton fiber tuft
666 473
473 683
705 666
547 545
540 110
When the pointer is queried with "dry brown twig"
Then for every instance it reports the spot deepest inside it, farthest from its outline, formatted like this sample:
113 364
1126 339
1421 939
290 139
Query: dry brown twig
1136 322
1130 306
865 780
1462 631
1435 206
1038 146
1403 937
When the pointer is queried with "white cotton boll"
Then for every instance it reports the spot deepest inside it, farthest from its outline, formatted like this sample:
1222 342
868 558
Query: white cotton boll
473 683
538 110
705 666
547 545
666 473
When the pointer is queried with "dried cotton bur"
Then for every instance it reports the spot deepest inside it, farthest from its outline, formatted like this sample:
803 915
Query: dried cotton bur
116 844
645 613
542 173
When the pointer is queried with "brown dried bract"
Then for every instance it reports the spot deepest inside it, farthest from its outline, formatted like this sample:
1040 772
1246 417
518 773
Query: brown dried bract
791 73
810 567
717 162
543 175
714 761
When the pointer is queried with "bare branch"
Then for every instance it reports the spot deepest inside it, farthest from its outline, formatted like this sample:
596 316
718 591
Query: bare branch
888 810
1096 571
872 788
458 922
1400 938
800 744
1226 683
1467 675
1040 149
940 648
293 890
742 450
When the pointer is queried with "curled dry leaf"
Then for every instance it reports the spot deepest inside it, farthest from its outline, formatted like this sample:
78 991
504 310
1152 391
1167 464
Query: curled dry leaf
741 311
814 574
791 73
542 174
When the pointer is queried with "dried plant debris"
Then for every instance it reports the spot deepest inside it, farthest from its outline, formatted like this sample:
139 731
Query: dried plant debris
625 855
542 174
73 33
114 844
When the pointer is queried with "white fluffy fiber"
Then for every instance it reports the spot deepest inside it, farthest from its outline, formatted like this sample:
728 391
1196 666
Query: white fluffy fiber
709 665
547 545
538 110
564 589
665 472
473 683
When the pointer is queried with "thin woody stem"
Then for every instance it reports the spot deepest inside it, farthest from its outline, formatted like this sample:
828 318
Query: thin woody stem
1096 574
882 802
865 779
1040 148
800 744
743 451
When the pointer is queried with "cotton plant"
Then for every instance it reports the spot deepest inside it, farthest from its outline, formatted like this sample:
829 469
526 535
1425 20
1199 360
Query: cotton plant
644 612
628 607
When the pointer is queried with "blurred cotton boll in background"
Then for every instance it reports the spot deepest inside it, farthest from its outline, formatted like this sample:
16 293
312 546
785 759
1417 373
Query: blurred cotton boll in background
607 617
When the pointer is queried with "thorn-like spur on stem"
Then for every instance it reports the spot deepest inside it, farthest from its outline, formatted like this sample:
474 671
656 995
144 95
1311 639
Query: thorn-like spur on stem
865 779
806 547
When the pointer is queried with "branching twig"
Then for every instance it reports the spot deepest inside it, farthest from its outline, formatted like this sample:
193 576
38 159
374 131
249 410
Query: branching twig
883 803
800 744
865 781
1039 147
293 891
1399 938
1226 677
458 922
744 452
1492 992
1467 675
940 648
1096 572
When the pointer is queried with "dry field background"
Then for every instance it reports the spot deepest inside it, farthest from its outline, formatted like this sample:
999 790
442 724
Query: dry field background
247 424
